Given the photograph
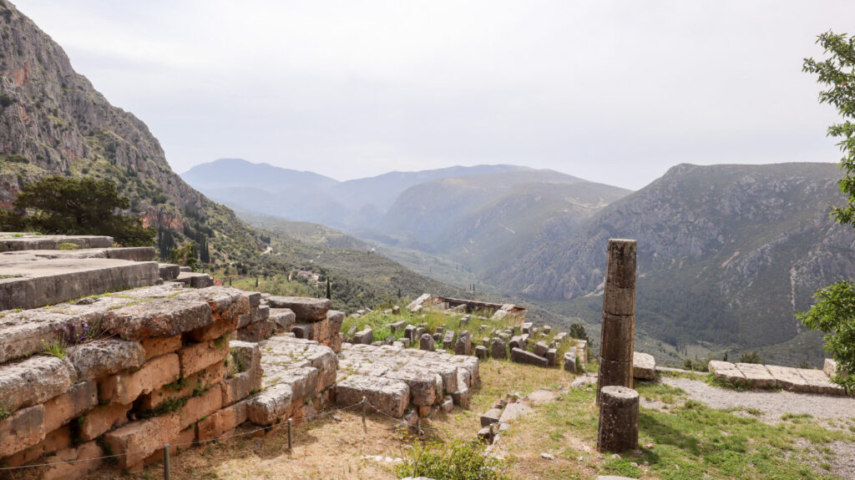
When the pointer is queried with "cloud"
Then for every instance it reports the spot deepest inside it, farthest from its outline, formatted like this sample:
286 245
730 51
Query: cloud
615 92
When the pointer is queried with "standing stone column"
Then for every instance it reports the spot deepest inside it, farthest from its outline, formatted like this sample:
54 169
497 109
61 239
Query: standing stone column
618 334
618 428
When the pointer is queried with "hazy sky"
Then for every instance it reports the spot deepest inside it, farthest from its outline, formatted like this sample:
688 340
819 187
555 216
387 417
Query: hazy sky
615 92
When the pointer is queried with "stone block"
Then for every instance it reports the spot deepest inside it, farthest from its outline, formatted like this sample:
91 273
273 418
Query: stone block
643 366
284 318
124 388
397 326
756 376
552 357
422 384
303 331
788 378
34 381
490 417
514 411
165 317
464 344
481 352
207 378
241 385
100 358
103 419
155 347
23 429
222 422
540 349
136 441
521 356
818 382
79 399
516 342
448 340
336 320
388 395
570 361
195 280
200 406
426 342
176 445
364 337
56 440
306 309
498 349
168 271
257 332
74 463
829 367
462 395
270 405
726 372
198 356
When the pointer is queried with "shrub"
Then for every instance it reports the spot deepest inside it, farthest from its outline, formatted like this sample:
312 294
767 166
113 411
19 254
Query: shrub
750 357
458 460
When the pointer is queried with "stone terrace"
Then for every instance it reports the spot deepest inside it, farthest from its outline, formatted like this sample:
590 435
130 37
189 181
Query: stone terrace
797 380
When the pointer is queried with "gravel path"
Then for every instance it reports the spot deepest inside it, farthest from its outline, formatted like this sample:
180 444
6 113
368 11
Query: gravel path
772 404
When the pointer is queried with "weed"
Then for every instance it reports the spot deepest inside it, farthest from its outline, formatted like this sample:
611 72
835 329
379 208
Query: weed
457 460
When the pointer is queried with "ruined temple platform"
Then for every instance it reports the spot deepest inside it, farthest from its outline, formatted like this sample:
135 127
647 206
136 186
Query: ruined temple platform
393 378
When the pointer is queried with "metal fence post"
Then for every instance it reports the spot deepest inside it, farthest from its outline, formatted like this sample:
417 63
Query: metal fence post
166 461
364 411
289 434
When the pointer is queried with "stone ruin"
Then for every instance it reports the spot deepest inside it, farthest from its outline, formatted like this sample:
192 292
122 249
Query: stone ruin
493 311
104 351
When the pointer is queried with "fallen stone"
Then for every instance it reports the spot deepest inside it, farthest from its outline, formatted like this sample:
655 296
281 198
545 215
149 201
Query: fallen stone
306 309
464 344
514 411
448 339
540 349
570 361
521 356
426 343
498 349
552 357
284 318
481 352
643 366
364 337
490 417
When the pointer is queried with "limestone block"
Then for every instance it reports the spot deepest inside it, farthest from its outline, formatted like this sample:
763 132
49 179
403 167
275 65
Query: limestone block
270 405
304 382
198 356
103 419
168 271
364 337
516 342
448 340
124 388
54 441
397 326
136 441
79 399
421 382
155 347
185 437
726 372
498 348
222 422
200 406
207 378
100 358
540 349
426 342
74 463
514 411
284 318
570 361
195 279
643 366
829 367
788 378
387 395
336 319
242 384
34 381
490 417
464 344
462 395
306 309
23 429
756 376
521 356
818 382
552 357
164 317
481 352
257 332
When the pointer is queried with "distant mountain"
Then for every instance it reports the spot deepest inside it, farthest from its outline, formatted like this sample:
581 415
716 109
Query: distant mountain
306 196
53 122
727 254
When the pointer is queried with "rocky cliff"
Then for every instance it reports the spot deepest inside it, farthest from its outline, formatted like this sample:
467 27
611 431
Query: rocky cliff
53 122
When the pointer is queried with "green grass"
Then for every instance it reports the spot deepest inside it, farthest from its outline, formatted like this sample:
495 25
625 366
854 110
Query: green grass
56 349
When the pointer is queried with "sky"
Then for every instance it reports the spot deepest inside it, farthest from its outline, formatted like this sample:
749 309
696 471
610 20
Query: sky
610 91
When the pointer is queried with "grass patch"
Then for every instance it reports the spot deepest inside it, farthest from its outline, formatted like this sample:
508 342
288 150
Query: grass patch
457 460
68 246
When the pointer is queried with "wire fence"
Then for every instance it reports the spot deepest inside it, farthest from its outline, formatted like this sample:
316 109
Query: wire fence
166 447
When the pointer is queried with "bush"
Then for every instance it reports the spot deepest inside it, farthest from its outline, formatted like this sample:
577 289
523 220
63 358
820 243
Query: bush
750 357
455 461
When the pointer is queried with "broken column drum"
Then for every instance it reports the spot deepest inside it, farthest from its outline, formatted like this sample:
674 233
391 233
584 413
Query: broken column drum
618 427
618 332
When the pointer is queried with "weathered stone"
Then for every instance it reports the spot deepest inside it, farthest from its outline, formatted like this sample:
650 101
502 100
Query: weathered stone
514 411
365 337
56 440
521 356
198 356
23 429
643 366
100 358
422 384
570 361
540 349
168 271
178 444
199 406
124 388
284 318
222 422
303 330
256 332
490 417
336 320
195 279
397 326
829 367
385 394
526 327
103 419
155 347
818 382
79 399
448 339
462 395
136 441
306 309
464 344
481 352
426 342
552 357
73 463
498 349
618 424
788 378
34 381
270 405
547 329
726 372
756 376
486 435
516 342
447 404
209 377
165 317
